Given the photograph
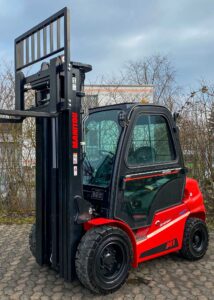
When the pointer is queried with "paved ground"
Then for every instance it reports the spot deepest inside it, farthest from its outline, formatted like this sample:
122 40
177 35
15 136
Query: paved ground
168 277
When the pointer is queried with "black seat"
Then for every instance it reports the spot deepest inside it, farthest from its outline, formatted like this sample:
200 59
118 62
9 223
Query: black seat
144 154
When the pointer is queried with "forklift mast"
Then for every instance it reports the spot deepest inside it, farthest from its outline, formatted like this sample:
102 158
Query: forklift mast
58 90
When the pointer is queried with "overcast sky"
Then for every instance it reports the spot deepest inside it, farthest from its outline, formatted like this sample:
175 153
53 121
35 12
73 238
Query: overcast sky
106 33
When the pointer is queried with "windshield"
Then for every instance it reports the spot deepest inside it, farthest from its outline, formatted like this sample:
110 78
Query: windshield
102 132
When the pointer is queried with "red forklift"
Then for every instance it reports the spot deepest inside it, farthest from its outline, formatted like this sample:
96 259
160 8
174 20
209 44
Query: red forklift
111 188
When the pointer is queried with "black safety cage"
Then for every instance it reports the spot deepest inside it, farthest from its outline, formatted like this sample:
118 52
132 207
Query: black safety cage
58 89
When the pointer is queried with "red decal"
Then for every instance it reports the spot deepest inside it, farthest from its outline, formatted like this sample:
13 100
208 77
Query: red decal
150 176
75 131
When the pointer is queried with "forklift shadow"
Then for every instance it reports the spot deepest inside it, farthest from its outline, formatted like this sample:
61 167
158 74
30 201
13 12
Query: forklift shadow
147 272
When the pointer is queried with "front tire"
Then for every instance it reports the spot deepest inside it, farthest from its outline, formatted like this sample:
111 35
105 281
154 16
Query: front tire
103 259
195 240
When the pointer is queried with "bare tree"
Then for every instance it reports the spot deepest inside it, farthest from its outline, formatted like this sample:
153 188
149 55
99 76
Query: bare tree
17 159
197 138
156 70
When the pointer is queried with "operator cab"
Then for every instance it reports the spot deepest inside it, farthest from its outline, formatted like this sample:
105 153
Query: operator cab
133 164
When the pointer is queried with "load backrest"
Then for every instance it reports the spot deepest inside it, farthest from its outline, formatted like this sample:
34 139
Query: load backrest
48 38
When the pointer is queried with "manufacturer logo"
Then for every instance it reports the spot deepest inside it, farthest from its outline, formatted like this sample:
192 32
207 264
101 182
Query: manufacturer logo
165 222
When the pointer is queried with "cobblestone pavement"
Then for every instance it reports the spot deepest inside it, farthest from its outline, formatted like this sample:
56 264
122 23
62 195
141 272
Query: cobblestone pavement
168 277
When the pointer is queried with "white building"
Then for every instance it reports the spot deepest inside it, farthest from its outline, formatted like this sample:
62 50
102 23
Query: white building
100 95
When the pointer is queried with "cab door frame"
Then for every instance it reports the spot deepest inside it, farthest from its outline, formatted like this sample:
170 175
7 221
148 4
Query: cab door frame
124 171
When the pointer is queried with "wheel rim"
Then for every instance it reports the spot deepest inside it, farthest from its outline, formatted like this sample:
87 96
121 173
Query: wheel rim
110 262
198 240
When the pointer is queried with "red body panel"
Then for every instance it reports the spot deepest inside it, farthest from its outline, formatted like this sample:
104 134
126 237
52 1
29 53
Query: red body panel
165 234
193 198
102 221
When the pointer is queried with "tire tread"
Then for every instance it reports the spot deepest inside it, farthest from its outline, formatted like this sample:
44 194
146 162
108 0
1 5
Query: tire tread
85 251
185 251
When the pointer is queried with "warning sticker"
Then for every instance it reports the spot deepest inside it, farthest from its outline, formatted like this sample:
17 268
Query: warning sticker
75 171
75 158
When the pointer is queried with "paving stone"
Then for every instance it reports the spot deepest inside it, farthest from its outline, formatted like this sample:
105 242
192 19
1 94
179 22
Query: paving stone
45 298
36 296
57 296
202 298
169 277
16 296
140 297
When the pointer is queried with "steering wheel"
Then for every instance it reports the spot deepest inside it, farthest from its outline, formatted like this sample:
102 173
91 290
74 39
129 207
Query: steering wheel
103 171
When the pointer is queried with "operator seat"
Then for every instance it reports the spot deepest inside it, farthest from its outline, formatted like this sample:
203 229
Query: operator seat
144 154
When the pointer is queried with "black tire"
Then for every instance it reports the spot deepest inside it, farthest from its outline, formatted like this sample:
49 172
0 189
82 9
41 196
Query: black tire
195 240
103 259
32 240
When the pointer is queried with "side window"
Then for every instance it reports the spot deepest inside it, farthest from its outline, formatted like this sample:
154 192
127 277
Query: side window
145 195
151 141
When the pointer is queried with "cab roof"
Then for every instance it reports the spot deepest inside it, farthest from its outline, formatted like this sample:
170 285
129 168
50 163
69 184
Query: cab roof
127 106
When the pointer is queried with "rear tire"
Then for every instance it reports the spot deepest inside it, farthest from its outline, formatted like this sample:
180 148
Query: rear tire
103 259
195 240
32 240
